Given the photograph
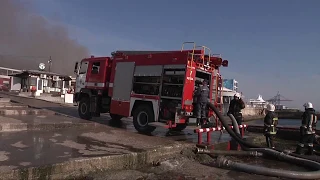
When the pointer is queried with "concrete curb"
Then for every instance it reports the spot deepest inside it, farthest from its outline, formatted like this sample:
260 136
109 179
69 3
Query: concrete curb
7 112
80 167
62 104
14 127
4 100
13 106
53 112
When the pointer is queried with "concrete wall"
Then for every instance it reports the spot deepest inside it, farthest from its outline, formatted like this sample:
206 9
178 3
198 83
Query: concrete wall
249 111
291 115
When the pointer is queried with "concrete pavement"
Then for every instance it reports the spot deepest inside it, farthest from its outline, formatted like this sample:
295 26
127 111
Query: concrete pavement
65 152
64 146
126 123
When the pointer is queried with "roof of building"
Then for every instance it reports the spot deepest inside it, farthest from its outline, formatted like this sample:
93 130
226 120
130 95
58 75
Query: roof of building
37 72
227 90
258 100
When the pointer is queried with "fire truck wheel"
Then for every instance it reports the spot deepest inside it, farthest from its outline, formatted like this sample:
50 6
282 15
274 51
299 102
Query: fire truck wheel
83 108
115 117
142 116
179 127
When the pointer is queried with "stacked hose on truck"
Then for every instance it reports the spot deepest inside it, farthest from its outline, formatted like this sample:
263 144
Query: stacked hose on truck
290 157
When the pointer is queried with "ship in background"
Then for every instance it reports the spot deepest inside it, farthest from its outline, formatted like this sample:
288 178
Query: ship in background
258 103
276 100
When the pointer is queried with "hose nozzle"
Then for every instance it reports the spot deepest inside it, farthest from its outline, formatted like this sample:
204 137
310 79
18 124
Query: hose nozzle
201 151
222 161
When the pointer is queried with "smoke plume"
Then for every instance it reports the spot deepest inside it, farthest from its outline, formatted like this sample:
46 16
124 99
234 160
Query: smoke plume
27 40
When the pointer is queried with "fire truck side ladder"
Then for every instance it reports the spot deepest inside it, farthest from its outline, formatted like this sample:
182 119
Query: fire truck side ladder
217 94
192 54
204 48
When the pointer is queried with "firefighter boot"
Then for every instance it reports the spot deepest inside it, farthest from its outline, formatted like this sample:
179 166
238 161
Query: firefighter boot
198 121
310 150
299 150
206 123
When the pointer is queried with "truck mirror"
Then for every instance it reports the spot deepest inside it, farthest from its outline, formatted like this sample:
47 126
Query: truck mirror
76 68
225 63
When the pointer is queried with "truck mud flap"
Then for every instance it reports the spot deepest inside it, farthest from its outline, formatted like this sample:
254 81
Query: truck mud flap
93 104
177 116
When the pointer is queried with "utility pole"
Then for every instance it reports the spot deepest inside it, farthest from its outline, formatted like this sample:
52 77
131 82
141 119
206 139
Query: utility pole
50 63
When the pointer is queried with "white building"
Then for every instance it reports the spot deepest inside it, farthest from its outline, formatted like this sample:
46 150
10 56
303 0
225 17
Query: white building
231 84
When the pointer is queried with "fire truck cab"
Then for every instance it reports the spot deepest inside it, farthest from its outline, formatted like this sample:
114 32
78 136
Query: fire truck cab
150 86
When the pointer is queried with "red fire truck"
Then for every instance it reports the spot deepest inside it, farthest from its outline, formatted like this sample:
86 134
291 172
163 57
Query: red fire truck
151 86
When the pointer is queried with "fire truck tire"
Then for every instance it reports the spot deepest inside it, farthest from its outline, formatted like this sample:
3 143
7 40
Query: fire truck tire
142 116
83 108
180 127
115 117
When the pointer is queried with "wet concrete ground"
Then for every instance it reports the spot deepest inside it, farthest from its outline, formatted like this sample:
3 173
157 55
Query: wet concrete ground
40 119
35 148
32 148
126 123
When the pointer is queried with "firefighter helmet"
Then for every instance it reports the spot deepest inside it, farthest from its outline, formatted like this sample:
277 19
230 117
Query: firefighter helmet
271 107
308 105
237 95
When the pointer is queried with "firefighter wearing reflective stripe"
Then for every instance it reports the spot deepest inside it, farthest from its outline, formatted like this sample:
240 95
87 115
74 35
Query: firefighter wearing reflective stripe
270 125
307 129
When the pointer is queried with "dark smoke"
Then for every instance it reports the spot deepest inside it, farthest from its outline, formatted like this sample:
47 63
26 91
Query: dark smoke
27 40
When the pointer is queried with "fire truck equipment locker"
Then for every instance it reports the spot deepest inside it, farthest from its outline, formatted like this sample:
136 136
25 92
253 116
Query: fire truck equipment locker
122 87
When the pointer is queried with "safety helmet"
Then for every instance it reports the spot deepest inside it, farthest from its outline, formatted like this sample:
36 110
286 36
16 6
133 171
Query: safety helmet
308 105
237 95
270 107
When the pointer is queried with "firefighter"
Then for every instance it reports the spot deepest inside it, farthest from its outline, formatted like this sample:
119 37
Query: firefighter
270 125
307 129
235 107
202 96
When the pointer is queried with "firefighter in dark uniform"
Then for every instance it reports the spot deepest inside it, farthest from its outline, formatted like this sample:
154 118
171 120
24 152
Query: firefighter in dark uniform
307 129
270 125
235 107
202 95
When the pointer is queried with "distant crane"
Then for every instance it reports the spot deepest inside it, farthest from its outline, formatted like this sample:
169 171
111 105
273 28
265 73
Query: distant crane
276 100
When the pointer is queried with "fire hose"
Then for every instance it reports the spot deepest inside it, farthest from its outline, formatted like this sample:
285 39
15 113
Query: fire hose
234 123
289 157
228 153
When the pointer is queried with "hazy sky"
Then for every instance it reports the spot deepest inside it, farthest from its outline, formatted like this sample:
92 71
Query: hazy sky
271 45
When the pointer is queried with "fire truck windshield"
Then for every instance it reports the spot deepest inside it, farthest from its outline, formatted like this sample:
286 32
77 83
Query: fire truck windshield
83 67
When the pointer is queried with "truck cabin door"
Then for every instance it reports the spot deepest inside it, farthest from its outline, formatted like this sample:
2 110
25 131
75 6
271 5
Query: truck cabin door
81 79
96 74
